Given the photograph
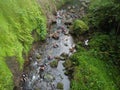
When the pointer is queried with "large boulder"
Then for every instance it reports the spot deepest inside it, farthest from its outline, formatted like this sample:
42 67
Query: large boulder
79 27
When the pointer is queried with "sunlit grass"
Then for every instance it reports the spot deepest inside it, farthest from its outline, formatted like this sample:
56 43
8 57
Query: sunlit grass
18 18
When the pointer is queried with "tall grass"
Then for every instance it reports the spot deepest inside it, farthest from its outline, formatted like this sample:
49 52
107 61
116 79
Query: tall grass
92 69
18 18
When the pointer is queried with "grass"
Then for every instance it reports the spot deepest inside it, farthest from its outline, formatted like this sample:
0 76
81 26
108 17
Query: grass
17 21
5 77
91 72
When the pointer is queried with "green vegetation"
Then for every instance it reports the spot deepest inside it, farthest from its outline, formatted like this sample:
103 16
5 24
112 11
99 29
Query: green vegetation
6 82
54 63
18 20
60 85
91 72
97 66
79 27
60 2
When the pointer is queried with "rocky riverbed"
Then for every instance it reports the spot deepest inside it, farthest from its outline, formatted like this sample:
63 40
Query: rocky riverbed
46 70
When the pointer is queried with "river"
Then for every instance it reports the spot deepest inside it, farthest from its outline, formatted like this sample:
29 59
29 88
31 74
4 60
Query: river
58 43
41 75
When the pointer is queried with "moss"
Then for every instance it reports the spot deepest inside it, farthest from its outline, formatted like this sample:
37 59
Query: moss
60 85
79 27
54 64
67 64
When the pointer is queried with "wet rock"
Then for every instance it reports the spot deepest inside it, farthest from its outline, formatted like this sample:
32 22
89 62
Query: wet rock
72 49
64 54
38 56
72 11
62 58
50 57
30 58
73 7
87 1
68 7
48 77
66 33
81 9
55 36
66 39
68 22
60 85
24 77
42 68
55 45
84 4
58 31
68 16
65 44
57 57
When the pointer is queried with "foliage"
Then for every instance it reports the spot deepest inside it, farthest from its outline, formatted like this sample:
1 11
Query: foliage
54 64
5 77
79 27
97 68
61 2
92 73
104 16
18 19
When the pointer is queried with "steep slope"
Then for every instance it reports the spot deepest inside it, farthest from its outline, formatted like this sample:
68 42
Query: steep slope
18 19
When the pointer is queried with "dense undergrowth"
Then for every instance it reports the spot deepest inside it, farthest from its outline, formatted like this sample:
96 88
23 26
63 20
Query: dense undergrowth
96 67
93 70
18 19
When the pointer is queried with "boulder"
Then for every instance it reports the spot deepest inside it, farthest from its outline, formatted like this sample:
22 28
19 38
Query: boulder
55 36
48 77
72 10
65 55
65 44
68 22
84 4
79 27
68 7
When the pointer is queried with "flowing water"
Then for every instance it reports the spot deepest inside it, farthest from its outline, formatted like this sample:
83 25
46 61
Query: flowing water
41 75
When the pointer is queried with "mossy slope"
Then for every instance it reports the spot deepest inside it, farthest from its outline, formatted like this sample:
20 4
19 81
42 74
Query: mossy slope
18 19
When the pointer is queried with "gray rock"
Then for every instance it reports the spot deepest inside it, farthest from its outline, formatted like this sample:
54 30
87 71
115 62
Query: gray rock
84 4
62 58
69 7
65 44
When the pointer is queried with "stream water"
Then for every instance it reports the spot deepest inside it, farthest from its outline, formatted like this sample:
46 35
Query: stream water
48 77
41 75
